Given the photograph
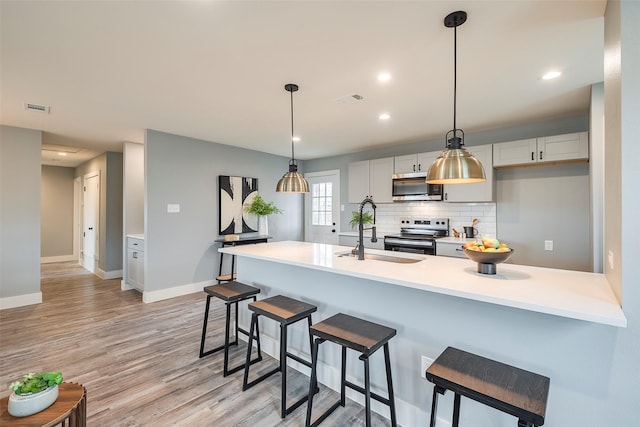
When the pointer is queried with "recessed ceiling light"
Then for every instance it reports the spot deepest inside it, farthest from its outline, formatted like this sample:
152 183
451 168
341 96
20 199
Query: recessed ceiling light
384 116
296 139
551 75
384 77
62 153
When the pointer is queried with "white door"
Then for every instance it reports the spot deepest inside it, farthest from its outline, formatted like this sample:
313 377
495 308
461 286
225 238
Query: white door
322 207
90 217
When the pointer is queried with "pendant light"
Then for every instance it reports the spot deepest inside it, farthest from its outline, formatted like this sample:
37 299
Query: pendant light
455 165
292 181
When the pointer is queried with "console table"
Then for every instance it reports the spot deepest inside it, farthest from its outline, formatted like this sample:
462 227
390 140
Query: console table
239 239
520 393
69 409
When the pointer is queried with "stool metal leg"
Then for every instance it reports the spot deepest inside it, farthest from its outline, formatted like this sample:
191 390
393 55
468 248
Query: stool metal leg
283 370
456 410
343 377
313 382
204 326
367 392
392 404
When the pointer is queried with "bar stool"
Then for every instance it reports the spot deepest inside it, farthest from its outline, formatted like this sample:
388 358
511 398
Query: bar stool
286 311
364 337
231 293
517 392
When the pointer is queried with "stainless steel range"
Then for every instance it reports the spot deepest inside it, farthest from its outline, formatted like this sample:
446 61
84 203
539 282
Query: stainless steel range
417 235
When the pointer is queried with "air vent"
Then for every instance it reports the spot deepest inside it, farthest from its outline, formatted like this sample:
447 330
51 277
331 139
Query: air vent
349 99
60 148
37 108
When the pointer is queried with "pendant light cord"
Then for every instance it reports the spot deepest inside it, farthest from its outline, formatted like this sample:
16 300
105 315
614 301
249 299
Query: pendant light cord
455 76
293 159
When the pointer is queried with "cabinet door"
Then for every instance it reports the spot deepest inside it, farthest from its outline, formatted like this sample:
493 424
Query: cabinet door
426 159
515 152
450 249
405 164
380 173
359 181
571 146
140 278
132 267
477 192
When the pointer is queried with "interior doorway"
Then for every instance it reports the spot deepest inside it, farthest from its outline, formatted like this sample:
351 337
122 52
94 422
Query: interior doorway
90 219
322 207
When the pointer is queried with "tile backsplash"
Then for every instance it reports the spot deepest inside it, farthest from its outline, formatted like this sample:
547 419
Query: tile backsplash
460 214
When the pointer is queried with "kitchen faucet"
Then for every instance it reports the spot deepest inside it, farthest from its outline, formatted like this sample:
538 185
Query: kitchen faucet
360 246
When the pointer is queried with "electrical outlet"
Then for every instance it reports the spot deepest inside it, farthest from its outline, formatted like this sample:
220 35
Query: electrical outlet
548 245
425 362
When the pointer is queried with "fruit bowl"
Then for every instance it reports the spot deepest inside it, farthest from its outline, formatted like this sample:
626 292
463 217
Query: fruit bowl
487 260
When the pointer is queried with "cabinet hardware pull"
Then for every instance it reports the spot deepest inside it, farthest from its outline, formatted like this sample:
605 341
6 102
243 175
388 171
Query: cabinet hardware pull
135 255
414 168
532 156
540 154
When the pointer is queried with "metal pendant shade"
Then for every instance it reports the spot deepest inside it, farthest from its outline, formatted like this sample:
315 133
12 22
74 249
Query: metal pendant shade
292 181
455 165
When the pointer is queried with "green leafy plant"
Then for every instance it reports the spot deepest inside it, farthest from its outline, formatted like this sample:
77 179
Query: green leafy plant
33 383
367 218
261 208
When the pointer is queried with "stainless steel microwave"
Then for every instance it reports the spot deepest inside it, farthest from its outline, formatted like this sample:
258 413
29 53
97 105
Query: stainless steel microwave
412 186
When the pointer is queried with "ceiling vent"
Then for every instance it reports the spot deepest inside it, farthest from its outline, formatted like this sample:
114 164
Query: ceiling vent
349 99
60 148
37 108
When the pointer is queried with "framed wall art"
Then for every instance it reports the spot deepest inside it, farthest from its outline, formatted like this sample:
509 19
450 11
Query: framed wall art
233 193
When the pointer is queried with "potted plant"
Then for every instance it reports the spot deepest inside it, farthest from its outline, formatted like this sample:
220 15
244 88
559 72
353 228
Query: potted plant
367 218
259 207
34 393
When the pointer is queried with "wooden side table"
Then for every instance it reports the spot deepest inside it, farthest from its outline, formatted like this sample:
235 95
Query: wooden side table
520 393
70 408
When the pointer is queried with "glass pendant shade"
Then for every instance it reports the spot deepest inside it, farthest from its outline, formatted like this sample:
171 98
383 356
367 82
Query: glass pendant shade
292 181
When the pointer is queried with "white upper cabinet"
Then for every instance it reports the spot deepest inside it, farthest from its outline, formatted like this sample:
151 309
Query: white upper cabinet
572 146
477 192
414 162
371 178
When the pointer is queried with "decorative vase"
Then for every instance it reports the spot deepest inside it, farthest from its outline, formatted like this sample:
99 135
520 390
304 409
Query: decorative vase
23 405
263 225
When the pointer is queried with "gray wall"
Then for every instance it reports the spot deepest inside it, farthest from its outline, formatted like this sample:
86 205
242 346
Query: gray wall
56 225
110 245
535 204
179 248
19 211
133 188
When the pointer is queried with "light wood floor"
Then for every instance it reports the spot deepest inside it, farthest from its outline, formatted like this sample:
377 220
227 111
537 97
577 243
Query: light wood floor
139 362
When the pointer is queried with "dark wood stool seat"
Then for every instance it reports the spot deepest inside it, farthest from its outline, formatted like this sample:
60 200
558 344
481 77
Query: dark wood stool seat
231 293
515 391
364 337
285 311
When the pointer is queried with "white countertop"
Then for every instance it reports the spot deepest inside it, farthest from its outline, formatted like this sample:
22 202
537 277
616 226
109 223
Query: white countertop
571 294
136 236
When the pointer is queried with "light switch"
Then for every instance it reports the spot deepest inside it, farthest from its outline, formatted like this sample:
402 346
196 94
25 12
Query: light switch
173 208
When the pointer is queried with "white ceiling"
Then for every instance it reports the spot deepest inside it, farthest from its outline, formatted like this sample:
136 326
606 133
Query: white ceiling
216 70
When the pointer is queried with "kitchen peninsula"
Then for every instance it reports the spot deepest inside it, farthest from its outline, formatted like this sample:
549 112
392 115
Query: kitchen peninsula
538 319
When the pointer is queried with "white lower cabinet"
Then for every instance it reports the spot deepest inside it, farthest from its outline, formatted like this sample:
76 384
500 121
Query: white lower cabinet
135 263
453 249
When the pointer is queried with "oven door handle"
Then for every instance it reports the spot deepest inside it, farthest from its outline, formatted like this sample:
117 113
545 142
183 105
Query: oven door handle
408 243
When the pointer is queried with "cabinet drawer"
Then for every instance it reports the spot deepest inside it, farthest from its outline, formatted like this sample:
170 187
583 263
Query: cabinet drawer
133 243
450 249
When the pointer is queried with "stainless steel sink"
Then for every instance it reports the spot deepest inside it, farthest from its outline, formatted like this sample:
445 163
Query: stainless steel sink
378 257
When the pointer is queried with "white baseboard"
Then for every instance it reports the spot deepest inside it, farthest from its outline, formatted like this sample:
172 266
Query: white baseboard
124 286
406 413
107 275
176 291
59 258
20 300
